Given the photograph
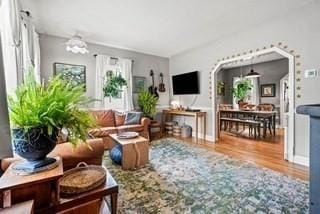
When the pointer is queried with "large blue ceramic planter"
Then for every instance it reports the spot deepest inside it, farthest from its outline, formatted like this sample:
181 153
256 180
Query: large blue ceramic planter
34 144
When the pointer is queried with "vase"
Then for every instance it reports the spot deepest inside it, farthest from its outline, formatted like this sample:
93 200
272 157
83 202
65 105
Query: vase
242 104
34 144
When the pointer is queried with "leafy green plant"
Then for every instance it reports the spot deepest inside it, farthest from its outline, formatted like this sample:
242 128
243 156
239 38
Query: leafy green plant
242 89
51 107
113 85
147 102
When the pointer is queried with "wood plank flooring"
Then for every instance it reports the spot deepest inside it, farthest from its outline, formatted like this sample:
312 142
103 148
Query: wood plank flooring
267 153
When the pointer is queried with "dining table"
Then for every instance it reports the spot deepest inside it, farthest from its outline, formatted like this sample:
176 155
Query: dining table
265 116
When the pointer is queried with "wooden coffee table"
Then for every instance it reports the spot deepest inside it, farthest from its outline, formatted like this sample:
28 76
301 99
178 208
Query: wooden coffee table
135 152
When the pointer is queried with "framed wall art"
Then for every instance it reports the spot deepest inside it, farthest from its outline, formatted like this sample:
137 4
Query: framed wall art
74 73
268 90
139 83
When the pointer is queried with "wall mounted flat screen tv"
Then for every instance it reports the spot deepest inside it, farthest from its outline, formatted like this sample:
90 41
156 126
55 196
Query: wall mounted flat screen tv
187 83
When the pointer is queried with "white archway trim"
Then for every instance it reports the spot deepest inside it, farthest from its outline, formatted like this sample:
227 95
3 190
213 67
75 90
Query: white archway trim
291 126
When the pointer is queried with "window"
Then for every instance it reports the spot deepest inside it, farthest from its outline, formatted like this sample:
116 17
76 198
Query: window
253 97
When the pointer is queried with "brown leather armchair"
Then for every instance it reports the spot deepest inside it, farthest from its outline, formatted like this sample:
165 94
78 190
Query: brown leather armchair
72 156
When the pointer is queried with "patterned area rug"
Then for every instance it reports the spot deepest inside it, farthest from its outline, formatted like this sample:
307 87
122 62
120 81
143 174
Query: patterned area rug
182 178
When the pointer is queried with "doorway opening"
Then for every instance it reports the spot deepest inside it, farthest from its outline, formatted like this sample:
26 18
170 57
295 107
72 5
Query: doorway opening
248 124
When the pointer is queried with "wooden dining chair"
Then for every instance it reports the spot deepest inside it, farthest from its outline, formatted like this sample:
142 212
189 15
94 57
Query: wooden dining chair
265 107
266 123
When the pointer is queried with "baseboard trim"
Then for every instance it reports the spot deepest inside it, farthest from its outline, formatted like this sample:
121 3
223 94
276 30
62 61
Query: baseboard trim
200 136
301 160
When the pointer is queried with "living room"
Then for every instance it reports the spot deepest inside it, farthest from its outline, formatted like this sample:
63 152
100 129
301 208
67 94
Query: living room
151 89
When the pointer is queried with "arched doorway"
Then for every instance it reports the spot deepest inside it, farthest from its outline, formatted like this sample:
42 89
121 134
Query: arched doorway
289 136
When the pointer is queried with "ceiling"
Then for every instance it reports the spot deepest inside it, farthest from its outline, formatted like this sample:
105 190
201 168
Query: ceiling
158 27
255 60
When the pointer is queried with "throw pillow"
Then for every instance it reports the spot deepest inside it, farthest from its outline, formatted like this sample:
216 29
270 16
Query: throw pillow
119 118
133 118
104 118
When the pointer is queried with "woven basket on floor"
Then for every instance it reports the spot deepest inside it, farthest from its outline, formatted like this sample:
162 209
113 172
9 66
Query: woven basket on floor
82 178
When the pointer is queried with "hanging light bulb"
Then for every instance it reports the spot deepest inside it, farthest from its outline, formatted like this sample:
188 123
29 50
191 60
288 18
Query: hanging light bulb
77 45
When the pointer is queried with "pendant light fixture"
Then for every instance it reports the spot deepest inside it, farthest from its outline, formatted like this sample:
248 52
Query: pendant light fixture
252 73
77 45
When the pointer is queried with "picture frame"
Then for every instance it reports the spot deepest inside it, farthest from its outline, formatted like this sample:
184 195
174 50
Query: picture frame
139 83
268 90
221 88
70 72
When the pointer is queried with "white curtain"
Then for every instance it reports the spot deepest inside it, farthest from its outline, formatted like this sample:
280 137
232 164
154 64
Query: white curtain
30 47
37 58
234 101
126 71
20 44
101 68
9 49
255 92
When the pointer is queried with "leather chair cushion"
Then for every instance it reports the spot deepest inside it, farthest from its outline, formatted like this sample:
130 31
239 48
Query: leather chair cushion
104 118
72 156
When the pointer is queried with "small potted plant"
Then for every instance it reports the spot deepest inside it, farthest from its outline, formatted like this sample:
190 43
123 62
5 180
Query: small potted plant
147 103
241 91
38 112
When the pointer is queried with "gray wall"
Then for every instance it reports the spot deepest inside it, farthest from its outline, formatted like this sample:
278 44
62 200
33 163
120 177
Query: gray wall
271 72
299 30
53 50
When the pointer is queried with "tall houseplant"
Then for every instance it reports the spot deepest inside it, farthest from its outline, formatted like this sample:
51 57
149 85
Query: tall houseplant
147 103
38 112
241 90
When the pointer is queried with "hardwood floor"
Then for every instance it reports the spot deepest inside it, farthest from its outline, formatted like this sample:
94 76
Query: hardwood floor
267 153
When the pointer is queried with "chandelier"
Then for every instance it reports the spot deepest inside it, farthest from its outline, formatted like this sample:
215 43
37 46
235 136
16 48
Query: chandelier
77 45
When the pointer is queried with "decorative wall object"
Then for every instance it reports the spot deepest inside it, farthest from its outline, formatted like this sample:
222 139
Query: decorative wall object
161 84
153 89
221 88
268 90
139 84
74 73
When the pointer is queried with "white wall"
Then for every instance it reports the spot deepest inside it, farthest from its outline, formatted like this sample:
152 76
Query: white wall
53 50
299 30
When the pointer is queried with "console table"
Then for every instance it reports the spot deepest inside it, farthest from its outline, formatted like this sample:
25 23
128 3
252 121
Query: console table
196 115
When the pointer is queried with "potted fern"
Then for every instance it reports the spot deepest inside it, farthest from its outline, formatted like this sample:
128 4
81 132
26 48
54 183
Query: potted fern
147 103
38 112
241 91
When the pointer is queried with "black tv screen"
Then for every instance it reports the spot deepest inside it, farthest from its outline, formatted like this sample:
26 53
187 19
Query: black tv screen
187 83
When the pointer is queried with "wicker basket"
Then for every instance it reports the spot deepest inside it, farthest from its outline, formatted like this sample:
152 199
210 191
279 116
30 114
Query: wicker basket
82 178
